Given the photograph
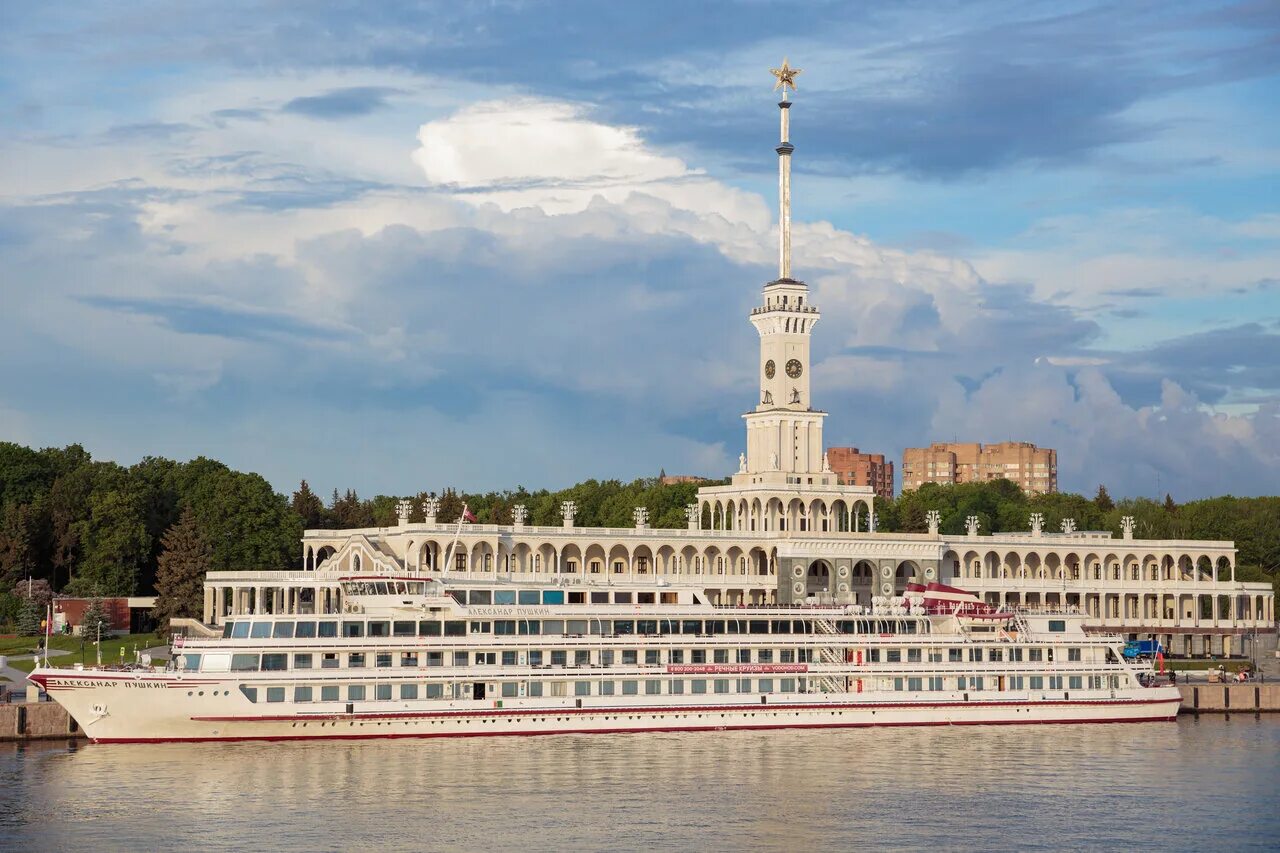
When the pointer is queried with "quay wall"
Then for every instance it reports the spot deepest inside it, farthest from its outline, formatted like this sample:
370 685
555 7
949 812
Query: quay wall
1229 698
36 721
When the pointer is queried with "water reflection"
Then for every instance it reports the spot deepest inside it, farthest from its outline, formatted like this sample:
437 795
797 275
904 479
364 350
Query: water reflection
1189 785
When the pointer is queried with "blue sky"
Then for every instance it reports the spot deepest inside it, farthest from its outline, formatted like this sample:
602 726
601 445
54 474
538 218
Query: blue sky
401 246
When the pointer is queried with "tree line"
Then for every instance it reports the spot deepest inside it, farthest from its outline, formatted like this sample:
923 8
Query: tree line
95 528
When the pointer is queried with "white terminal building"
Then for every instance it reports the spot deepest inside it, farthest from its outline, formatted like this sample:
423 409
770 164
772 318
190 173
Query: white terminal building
786 532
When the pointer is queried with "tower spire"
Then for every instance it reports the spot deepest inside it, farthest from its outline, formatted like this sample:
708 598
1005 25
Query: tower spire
786 78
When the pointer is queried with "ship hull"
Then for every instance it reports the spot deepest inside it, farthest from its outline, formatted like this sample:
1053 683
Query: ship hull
159 708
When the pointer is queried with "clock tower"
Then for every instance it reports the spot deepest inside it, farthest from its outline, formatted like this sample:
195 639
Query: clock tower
784 432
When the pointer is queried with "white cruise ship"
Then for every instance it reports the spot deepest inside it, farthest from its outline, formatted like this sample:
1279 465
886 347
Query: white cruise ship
413 655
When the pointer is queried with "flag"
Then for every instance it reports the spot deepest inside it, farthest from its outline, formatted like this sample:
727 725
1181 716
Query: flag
468 515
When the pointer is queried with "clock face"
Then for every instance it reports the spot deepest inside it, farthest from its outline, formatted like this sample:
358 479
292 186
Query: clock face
769 369
794 368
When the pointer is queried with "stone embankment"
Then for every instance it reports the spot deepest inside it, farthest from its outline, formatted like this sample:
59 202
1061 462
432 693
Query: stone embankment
1229 698
36 721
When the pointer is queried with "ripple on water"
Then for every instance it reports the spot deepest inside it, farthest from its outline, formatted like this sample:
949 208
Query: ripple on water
1194 785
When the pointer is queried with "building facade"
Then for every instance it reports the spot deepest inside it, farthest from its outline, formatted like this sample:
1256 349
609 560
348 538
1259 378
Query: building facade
854 468
1034 469
786 530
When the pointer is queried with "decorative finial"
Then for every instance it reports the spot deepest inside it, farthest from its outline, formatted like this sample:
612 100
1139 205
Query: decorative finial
1068 526
786 77
1037 523
972 523
934 519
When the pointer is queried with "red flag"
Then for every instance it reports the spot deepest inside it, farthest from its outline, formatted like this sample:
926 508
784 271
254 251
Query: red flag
468 515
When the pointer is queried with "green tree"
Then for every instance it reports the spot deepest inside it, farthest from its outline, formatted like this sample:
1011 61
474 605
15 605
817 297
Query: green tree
18 555
1103 501
95 617
184 562
308 506
29 616
115 541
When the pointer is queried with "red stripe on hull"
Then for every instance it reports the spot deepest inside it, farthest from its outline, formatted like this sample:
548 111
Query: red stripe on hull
722 728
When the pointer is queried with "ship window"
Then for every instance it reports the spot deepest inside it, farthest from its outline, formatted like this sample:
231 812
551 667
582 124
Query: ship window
1074 682
275 662
698 685
624 626
744 685
606 657
404 629
647 627
504 627
788 685
302 693
582 688
764 656
531 626
191 662
782 626
481 596
353 629
355 660
1015 655
675 687
722 685
714 626
305 630
559 657
504 596
1073 654
915 684
622 598
484 627
429 629
721 656
408 658
644 598
581 657
260 630
1037 682
226 630
461 658
873 655
381 587
509 658
651 657
244 663
455 629
1057 626
329 693
935 682
459 595
302 661
329 661
282 631
691 626
652 687
580 598
435 691
975 655
744 656
528 596
1035 654
553 596
355 692
435 658
328 629
629 657
250 693
379 629
535 688
382 660
382 692
765 685
599 598
630 688
275 694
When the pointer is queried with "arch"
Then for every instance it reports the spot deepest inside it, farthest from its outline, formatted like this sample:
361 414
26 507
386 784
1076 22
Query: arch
595 560
571 562
908 571
324 553
619 561
818 577
642 560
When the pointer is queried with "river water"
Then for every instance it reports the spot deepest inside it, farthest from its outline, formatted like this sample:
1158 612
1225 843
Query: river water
1198 784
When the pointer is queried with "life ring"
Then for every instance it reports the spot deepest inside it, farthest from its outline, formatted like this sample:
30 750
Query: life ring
842 587
843 571
929 572
886 571
798 571
799 588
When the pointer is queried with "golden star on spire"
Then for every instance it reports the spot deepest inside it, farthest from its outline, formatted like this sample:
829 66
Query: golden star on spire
786 77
